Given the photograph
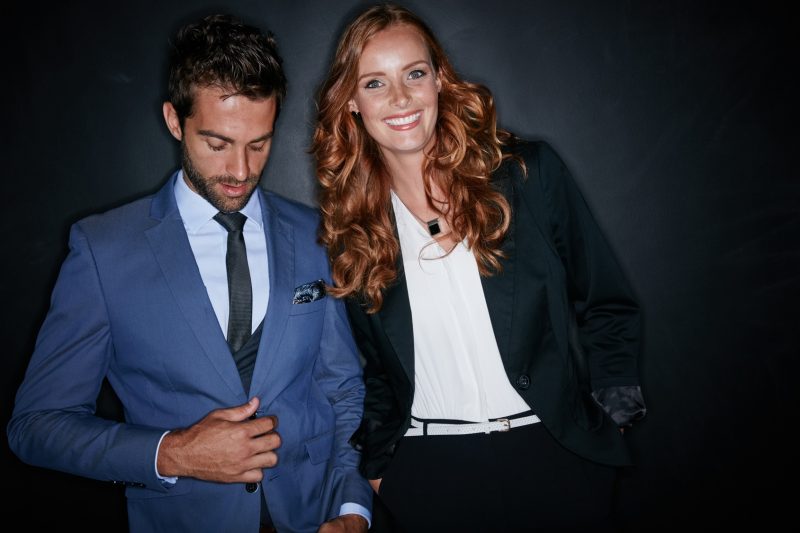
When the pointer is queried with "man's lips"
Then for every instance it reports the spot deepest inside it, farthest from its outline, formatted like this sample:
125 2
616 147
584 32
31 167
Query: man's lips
236 189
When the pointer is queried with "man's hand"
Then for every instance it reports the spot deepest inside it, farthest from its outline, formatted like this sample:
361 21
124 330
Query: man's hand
347 523
225 446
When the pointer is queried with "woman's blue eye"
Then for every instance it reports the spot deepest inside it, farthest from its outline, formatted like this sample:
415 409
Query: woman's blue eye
416 74
373 84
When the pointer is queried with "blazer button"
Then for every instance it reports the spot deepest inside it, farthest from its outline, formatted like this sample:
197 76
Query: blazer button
251 487
523 381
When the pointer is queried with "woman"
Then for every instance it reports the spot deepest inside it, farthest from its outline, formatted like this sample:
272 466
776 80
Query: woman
463 254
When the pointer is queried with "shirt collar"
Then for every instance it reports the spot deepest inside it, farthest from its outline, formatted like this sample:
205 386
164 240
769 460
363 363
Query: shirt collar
196 211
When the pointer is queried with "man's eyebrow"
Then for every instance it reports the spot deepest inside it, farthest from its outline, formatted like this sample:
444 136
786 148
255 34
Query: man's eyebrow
209 133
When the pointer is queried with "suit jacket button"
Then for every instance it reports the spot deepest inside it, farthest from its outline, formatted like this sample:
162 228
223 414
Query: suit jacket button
251 487
523 381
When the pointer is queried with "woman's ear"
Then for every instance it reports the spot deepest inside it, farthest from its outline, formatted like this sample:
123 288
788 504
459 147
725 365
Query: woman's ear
352 107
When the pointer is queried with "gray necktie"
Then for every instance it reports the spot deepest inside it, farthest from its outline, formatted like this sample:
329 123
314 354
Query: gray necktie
240 292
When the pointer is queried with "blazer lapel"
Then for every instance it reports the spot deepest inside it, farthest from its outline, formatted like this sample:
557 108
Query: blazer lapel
281 259
395 314
499 289
172 251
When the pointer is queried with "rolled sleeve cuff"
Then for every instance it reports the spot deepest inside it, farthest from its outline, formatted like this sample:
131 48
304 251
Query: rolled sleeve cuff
625 404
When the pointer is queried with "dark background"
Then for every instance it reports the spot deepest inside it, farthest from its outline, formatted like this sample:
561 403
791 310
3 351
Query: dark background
676 119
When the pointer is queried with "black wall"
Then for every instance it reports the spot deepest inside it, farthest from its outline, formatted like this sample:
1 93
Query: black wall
676 119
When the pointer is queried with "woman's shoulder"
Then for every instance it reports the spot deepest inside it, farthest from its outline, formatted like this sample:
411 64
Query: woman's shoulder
531 151
537 173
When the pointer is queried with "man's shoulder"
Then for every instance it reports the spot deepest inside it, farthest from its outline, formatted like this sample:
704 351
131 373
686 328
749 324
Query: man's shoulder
284 202
131 216
292 211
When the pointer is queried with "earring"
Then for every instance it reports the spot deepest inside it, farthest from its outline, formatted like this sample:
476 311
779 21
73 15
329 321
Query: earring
356 115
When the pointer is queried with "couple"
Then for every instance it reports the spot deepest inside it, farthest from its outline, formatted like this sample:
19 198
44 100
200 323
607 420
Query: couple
453 253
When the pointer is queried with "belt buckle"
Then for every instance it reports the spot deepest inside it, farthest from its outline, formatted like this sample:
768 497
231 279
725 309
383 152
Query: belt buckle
506 424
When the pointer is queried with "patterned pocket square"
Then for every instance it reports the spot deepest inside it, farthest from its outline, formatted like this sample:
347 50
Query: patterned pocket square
309 292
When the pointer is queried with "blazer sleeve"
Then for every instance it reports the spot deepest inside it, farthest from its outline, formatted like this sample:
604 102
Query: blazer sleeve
380 405
607 314
338 372
53 424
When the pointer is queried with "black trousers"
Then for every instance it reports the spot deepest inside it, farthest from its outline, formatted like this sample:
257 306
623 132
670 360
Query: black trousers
520 480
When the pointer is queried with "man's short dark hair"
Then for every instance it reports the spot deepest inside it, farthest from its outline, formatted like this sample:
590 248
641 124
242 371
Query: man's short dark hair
221 51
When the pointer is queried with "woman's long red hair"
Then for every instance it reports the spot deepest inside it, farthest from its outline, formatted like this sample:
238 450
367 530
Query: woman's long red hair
355 201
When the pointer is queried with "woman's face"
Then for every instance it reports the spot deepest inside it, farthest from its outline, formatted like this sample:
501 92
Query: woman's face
397 92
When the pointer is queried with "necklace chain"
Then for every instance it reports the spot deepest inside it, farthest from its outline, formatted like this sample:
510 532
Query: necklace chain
434 228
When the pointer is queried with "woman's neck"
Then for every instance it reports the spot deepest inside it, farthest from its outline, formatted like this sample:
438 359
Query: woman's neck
409 186
405 172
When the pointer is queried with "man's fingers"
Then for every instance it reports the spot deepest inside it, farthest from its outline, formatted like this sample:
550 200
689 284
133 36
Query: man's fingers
239 412
267 442
257 462
263 425
267 459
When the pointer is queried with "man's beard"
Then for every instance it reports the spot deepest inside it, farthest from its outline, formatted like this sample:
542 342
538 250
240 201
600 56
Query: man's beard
205 186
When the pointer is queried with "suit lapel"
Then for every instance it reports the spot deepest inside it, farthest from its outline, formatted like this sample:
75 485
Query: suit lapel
172 251
281 260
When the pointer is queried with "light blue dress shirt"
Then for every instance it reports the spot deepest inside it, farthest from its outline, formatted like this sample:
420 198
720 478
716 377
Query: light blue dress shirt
209 242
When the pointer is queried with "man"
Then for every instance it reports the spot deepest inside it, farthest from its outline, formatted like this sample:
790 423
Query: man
241 435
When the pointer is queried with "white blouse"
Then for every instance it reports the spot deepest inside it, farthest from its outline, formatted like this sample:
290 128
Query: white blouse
458 373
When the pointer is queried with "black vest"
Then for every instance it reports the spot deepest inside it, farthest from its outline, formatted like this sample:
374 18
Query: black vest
246 357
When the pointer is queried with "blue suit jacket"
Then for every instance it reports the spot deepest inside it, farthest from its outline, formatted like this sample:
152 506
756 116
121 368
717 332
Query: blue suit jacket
130 305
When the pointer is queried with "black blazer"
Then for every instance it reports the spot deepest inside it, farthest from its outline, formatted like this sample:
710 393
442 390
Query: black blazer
558 271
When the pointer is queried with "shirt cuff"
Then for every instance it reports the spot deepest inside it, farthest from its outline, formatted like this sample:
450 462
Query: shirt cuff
354 508
166 481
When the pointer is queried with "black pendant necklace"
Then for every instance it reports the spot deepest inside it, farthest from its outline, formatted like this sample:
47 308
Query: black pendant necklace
433 227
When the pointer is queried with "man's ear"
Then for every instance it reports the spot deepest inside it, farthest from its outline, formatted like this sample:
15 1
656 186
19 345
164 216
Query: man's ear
171 118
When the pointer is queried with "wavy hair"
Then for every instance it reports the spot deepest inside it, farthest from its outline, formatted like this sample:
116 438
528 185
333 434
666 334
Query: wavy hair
357 225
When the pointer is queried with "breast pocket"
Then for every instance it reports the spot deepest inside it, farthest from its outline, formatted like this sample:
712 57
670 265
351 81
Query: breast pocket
308 307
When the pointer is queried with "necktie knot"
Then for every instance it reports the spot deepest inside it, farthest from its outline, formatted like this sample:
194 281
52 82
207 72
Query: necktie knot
231 221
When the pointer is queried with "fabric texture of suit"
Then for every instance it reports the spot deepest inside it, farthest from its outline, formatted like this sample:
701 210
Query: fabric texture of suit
130 305
558 276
